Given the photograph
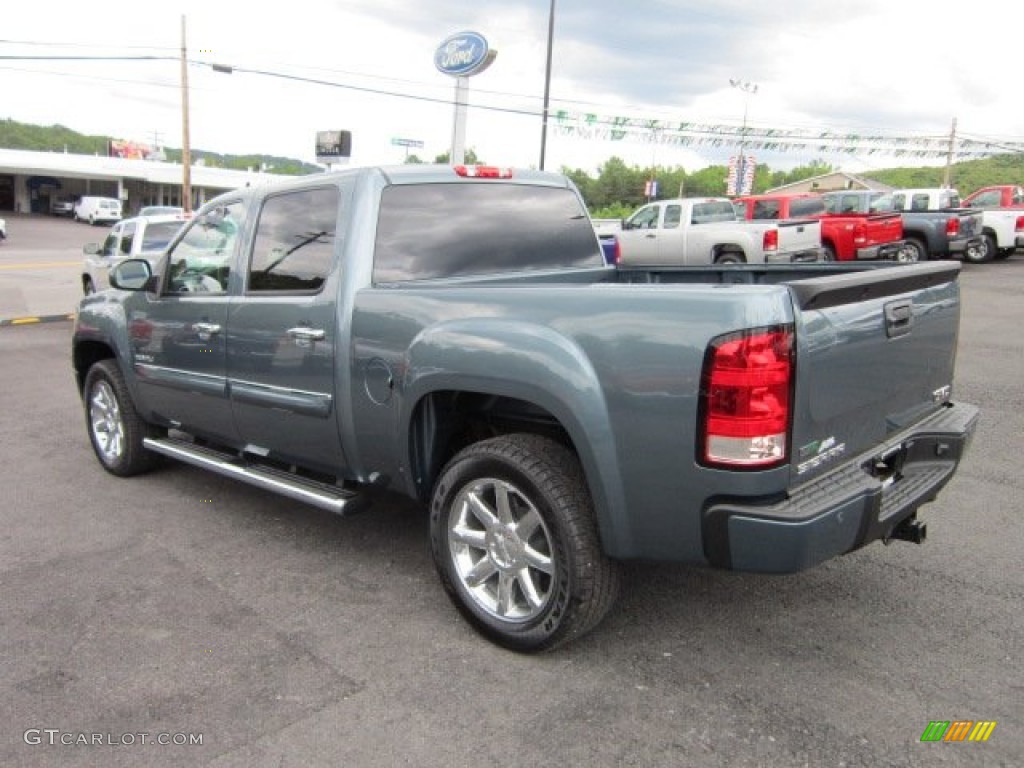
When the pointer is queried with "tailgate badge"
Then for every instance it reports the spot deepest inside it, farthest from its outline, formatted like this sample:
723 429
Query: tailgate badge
821 452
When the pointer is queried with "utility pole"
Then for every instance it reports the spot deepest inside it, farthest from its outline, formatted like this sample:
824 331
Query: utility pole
186 150
949 157
547 88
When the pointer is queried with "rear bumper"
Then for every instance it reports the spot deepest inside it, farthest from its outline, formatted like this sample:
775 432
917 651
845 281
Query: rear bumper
1020 241
961 246
890 251
845 508
795 257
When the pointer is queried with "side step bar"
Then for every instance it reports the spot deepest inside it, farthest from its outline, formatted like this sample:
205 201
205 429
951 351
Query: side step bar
322 495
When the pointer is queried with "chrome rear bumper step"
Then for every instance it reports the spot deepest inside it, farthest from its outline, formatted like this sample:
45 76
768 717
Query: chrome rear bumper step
323 495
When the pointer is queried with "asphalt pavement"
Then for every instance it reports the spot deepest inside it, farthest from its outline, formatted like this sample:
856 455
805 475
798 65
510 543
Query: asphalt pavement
182 606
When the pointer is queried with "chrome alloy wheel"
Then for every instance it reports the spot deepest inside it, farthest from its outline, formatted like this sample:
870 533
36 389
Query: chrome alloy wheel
106 422
501 550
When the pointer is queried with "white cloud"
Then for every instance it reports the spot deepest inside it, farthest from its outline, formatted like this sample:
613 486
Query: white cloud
904 68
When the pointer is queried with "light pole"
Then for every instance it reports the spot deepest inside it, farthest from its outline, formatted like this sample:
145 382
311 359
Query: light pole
749 89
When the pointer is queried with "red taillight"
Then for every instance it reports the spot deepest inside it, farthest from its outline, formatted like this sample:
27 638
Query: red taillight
1020 224
483 171
771 240
952 227
746 395
617 252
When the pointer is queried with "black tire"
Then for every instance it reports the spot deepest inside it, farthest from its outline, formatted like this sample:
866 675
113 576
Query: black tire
88 288
828 253
985 253
914 250
513 514
730 257
115 429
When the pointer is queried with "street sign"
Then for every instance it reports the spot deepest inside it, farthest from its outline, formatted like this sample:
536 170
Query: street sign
414 143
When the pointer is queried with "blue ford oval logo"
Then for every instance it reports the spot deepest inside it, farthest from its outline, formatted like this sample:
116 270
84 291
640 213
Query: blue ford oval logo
463 54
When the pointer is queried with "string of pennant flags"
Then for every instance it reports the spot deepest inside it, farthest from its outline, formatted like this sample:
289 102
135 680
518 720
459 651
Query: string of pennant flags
693 134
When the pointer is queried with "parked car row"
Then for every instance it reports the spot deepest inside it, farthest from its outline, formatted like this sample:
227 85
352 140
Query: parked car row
905 225
97 209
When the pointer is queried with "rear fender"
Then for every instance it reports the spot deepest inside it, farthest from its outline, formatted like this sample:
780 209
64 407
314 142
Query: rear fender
534 364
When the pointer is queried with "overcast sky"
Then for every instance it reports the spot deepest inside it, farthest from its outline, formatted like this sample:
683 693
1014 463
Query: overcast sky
895 67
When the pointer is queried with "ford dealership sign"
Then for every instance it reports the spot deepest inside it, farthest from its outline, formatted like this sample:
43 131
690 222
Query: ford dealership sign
463 54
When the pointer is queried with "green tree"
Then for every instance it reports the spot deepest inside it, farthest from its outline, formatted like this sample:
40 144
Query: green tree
471 159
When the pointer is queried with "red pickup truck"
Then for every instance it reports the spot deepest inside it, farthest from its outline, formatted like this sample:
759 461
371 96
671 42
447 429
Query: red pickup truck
845 236
998 196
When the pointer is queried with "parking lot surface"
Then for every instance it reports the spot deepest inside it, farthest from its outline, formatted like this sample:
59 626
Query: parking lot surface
182 604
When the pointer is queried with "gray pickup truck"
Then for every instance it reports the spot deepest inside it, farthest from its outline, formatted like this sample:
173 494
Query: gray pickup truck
453 334
935 226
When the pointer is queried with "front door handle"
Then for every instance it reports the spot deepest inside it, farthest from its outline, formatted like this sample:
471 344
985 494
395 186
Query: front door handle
306 333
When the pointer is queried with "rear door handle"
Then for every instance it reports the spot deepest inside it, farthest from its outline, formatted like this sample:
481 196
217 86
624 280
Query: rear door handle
306 333
208 328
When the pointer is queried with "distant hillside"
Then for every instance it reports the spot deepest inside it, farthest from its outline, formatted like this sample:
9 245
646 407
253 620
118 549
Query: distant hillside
965 177
57 138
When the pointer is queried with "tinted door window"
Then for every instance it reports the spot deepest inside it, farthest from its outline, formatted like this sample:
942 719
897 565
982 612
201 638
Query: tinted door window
294 244
645 218
109 248
127 237
445 230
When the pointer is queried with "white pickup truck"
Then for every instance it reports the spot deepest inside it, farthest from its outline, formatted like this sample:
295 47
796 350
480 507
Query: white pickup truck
705 230
144 237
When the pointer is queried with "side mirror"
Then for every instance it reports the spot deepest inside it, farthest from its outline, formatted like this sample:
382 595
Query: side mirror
626 224
91 249
131 275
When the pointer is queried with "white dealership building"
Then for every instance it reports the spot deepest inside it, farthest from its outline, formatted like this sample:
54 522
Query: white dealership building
30 181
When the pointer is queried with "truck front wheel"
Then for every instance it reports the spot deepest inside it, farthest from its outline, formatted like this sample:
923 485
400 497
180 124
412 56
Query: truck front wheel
115 429
516 545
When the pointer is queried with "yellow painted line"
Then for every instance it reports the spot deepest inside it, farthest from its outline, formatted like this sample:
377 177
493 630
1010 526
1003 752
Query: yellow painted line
40 265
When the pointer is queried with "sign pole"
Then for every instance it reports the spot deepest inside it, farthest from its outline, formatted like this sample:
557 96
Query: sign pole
458 151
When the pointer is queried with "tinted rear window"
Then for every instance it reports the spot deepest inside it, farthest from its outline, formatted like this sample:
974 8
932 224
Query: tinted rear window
429 231
806 206
159 234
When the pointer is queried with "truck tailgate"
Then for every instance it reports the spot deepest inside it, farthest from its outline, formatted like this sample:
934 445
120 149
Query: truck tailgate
799 235
875 354
882 228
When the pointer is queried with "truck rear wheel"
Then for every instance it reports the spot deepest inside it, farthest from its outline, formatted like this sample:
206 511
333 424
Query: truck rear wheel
914 250
516 545
116 430
730 257
981 253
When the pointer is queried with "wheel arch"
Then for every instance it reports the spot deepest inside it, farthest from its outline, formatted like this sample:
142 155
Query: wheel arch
85 355
536 381
719 249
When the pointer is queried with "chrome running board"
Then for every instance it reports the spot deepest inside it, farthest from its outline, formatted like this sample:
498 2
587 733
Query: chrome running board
323 495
